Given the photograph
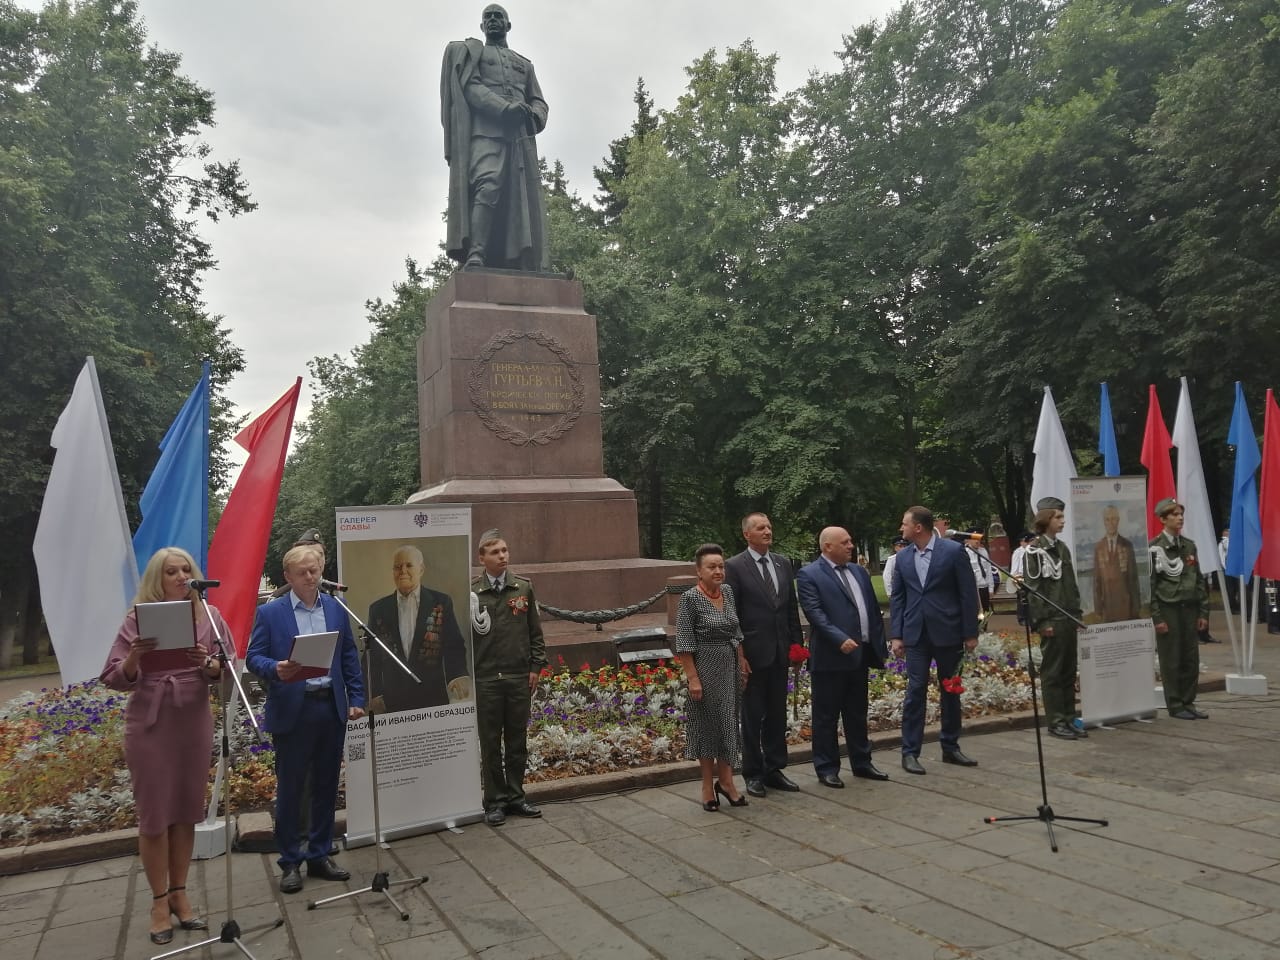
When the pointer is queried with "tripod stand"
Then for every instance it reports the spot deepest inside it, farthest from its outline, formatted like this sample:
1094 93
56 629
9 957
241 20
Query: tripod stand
1044 813
230 932
381 882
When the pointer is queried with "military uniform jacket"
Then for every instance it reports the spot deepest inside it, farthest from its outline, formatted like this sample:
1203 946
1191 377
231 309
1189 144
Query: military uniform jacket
1187 588
514 645
1064 591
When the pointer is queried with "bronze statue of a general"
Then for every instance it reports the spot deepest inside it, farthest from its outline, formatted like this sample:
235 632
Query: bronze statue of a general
492 107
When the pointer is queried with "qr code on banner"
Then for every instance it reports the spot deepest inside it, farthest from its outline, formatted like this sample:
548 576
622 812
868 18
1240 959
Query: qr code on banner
356 750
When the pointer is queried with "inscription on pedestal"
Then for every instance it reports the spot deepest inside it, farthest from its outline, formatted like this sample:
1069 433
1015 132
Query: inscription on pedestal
526 388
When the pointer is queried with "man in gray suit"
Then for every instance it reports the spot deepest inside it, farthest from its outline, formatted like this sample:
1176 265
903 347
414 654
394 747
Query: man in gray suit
764 585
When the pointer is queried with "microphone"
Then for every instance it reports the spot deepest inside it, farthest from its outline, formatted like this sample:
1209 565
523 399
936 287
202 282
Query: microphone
329 586
203 584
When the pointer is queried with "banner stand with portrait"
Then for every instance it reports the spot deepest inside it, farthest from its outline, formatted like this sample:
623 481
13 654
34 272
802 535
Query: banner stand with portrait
1113 569
409 566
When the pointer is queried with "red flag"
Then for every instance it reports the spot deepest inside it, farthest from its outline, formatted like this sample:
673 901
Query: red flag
1268 562
1156 444
239 547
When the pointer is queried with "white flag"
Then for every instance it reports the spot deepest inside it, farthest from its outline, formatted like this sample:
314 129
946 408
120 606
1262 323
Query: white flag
83 550
1054 467
1192 492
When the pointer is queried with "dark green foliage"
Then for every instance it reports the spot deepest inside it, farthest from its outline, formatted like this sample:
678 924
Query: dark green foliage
102 178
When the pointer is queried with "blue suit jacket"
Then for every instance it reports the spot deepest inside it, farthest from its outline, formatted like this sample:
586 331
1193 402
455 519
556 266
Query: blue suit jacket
272 640
945 605
833 618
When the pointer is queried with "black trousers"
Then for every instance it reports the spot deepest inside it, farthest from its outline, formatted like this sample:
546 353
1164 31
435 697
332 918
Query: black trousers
839 695
764 721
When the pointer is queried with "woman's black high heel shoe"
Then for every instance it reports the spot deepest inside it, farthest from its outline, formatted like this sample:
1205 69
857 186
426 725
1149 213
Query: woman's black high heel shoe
712 805
740 802
193 923
161 937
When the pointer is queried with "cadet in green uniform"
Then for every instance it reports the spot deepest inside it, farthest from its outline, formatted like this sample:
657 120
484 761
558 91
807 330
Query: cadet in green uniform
509 655
1180 609
1047 570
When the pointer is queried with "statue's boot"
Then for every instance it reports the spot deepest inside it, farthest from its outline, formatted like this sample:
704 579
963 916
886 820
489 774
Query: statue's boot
481 223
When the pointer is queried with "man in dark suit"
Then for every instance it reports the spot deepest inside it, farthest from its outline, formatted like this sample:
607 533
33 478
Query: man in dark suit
307 718
419 625
846 638
933 616
764 587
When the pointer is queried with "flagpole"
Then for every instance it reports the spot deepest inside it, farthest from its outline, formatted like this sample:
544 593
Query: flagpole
1253 628
1231 623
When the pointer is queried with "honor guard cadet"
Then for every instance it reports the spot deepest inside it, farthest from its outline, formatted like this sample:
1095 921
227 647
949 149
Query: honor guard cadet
1048 570
1179 609
508 658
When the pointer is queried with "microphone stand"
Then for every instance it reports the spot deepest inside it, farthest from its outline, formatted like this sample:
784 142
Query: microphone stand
1044 813
381 882
230 932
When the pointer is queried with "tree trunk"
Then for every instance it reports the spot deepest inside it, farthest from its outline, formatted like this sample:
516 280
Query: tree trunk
909 464
655 510
31 627
13 604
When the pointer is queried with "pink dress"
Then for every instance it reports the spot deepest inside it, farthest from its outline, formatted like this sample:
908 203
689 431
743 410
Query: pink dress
168 730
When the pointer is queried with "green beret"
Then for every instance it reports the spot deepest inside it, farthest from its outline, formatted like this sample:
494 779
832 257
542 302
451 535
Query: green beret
1166 506
1050 503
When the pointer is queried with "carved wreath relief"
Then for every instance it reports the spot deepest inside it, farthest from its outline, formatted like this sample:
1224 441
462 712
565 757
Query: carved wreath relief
521 380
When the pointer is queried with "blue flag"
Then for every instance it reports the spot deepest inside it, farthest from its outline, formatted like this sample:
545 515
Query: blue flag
1107 437
175 503
1246 527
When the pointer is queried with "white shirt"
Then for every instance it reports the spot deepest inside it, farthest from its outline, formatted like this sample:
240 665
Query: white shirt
1017 566
888 574
975 565
407 608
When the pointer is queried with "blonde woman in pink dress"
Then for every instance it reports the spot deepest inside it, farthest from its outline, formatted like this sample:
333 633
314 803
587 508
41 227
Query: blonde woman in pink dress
168 738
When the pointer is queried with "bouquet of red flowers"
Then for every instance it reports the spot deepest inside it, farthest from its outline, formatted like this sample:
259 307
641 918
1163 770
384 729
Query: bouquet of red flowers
952 684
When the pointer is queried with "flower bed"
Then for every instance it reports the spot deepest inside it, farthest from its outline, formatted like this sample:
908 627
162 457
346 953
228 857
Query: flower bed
62 757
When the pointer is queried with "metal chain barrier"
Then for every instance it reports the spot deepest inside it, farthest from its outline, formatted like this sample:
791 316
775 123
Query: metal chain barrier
602 616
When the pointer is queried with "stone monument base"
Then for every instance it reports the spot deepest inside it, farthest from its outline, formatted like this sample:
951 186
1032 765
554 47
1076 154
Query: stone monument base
509 423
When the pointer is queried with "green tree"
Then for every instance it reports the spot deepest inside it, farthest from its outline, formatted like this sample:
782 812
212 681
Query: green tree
359 443
1070 275
889 238
102 181
614 169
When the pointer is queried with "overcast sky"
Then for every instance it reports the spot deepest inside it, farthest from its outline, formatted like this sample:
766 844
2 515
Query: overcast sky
333 110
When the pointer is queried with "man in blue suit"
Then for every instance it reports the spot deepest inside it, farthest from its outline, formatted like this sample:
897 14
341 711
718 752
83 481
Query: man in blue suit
846 638
307 718
933 616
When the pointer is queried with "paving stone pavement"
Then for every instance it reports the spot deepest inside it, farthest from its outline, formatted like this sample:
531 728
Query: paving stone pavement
1188 867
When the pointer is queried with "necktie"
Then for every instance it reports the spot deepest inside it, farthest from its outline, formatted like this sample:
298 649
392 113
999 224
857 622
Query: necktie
843 575
768 576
